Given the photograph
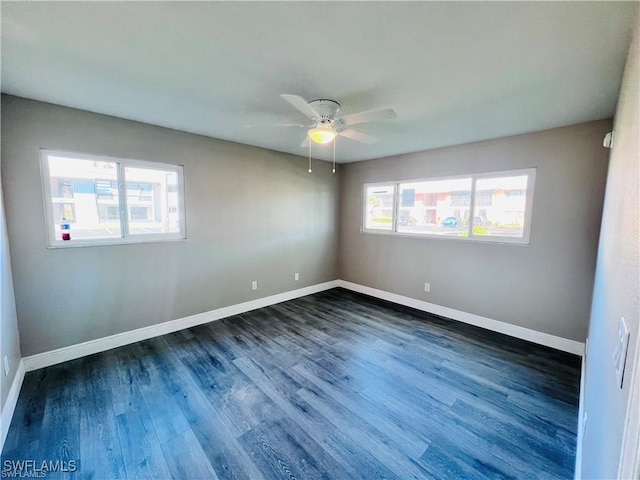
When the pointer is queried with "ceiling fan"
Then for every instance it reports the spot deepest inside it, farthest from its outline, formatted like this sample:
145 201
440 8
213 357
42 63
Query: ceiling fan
327 125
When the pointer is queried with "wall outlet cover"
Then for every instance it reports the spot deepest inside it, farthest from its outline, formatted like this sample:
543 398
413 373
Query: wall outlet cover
620 355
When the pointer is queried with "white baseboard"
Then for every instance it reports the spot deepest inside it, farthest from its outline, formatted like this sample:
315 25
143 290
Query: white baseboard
90 347
64 354
10 404
559 343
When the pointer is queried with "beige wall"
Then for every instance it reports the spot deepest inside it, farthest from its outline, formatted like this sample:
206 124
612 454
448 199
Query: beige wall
545 286
252 214
617 286
9 336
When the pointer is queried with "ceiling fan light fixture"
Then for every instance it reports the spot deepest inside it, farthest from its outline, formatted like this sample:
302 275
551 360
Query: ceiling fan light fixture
322 134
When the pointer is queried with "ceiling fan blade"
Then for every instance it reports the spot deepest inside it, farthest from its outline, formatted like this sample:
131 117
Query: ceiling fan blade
276 125
305 142
368 116
301 104
358 136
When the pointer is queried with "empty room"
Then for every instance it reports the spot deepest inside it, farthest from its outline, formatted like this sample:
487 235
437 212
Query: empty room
324 239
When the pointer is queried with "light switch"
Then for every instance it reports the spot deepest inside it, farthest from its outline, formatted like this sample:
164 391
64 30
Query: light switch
620 355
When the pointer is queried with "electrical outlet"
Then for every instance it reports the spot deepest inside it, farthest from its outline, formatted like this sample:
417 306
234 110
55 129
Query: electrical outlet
620 355
254 285
427 287
6 365
296 276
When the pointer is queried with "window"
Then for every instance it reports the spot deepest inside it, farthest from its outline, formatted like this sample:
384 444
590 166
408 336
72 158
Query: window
488 207
104 200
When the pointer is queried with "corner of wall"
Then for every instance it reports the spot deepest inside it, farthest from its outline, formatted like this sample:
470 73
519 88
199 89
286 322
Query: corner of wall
9 334
10 405
609 446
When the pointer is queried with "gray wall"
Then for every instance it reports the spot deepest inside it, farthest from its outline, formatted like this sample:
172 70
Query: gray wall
617 285
9 337
545 286
252 214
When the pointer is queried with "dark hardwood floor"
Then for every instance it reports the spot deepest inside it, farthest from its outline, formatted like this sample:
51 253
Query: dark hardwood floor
334 385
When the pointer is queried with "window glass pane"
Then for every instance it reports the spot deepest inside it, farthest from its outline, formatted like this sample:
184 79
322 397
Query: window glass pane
379 207
152 200
500 206
438 207
78 197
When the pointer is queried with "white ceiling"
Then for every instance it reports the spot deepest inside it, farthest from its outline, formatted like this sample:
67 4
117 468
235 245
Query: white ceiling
455 72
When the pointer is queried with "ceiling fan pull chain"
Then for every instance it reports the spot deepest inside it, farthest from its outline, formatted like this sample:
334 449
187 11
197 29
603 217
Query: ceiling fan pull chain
334 154
310 157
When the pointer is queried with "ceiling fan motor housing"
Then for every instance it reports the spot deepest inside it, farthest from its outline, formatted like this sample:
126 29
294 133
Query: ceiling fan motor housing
324 113
327 109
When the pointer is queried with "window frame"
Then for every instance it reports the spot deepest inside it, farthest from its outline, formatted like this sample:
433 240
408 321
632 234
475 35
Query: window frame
125 236
380 231
530 172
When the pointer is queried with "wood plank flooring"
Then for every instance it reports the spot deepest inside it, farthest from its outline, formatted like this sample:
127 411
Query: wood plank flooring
334 385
